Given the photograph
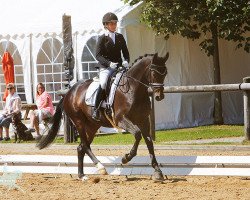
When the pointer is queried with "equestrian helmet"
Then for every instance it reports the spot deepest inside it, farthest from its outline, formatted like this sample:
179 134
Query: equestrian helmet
109 17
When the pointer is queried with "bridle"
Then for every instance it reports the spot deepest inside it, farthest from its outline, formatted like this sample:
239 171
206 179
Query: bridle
152 68
157 71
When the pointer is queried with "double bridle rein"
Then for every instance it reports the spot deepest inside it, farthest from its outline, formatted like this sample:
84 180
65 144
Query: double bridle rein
152 68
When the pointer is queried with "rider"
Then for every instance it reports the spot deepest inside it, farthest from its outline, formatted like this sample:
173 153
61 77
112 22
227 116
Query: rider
108 53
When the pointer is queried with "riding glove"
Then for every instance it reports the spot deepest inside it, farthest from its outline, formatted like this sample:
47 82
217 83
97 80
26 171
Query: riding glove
113 65
125 64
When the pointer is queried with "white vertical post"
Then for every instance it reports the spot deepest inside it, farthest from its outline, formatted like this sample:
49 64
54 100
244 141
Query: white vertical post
246 97
152 117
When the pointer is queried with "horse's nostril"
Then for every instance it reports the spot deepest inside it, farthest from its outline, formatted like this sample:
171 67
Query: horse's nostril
159 97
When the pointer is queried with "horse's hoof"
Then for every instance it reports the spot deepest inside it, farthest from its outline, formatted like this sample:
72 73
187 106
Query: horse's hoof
125 159
158 177
102 171
84 178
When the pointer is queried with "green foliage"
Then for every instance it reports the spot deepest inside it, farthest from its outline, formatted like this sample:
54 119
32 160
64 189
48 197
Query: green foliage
194 18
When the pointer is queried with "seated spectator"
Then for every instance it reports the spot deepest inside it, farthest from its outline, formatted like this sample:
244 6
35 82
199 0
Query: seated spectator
12 106
44 110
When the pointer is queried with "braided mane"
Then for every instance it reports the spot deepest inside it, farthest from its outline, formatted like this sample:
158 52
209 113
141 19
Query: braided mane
140 57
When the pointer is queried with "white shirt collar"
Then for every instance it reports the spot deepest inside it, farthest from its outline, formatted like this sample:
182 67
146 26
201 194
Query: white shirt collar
110 34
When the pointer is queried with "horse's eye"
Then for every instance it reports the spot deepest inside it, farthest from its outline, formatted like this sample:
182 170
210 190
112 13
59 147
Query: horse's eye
162 69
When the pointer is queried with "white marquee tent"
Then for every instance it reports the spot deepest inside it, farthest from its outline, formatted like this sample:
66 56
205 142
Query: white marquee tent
31 31
35 29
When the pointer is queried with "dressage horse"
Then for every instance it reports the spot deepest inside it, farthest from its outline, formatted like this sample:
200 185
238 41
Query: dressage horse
131 109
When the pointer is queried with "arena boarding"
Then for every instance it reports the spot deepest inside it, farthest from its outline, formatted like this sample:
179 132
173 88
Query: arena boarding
140 165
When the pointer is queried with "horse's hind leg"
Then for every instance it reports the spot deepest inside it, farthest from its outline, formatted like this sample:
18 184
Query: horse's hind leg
84 148
81 150
91 130
127 125
98 164
80 155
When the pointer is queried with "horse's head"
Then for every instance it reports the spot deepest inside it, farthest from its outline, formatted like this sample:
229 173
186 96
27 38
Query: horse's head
158 72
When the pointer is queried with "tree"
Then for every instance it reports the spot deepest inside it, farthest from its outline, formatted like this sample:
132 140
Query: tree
212 19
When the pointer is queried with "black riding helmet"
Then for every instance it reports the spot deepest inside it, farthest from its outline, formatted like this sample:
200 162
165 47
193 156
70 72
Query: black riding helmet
109 17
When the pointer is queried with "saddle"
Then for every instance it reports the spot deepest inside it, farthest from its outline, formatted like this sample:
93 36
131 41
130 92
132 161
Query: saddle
110 91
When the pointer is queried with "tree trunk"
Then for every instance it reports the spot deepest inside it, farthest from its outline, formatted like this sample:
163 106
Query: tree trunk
69 128
218 119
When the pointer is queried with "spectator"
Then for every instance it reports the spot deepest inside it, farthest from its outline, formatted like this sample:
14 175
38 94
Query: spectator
12 106
44 110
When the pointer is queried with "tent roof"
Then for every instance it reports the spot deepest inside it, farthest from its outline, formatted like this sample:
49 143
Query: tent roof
19 17
126 16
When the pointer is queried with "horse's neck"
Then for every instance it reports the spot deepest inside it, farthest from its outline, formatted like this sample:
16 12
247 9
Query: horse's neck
136 78
138 71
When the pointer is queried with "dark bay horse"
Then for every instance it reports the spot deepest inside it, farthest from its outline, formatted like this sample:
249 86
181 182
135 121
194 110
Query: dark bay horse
131 110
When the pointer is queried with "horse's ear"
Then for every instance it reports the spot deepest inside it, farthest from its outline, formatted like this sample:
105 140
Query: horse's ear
155 57
166 56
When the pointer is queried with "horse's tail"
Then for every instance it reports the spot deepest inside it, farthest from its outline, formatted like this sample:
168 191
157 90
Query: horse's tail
52 132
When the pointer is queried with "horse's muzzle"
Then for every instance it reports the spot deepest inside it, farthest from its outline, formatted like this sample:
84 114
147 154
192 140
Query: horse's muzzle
159 95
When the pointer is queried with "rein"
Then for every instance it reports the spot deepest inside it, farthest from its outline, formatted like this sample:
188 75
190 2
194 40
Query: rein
127 82
125 75
147 86
153 68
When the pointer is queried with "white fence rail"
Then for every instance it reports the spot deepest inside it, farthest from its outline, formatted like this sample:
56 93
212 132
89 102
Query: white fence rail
140 165
245 87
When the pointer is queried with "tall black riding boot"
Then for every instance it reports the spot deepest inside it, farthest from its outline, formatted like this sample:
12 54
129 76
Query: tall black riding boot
96 113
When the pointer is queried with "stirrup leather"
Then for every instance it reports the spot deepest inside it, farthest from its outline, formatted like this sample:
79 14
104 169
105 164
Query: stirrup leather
96 115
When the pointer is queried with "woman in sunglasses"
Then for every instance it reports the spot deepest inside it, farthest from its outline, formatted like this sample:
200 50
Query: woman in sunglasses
12 106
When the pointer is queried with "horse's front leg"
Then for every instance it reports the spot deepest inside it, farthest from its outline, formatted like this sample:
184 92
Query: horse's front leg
127 125
158 175
133 152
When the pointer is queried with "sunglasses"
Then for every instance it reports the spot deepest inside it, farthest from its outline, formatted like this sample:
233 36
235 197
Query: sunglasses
9 88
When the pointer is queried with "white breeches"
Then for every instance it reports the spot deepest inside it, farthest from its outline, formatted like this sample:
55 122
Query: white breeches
104 76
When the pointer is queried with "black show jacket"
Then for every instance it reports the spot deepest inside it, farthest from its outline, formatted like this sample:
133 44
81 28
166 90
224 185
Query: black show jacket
107 51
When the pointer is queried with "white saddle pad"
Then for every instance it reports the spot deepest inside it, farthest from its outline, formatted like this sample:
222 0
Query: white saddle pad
92 91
